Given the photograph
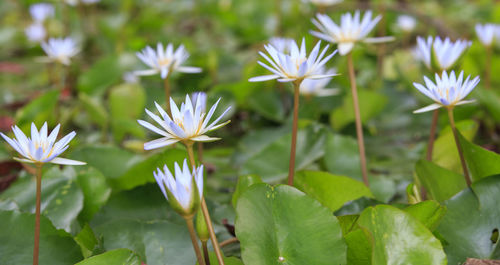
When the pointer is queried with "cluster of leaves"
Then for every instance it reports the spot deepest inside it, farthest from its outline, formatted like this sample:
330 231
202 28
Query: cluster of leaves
111 212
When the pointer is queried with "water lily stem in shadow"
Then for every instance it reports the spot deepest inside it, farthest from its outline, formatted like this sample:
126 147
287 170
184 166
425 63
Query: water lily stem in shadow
296 94
37 213
204 209
194 240
459 147
357 114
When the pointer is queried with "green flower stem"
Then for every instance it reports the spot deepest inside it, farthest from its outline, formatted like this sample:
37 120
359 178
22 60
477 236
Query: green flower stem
459 147
204 209
194 240
166 86
357 114
200 152
296 94
432 134
204 246
37 213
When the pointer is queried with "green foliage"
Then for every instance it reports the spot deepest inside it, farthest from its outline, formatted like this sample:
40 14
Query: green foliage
100 76
126 103
331 190
397 238
469 224
62 198
266 217
113 257
440 183
56 246
481 162
371 103
38 111
244 182
271 163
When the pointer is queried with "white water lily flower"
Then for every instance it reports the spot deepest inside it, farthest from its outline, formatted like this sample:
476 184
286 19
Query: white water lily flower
326 2
317 87
446 53
406 23
41 11
35 32
352 29
486 33
184 192
448 91
41 148
60 50
282 45
203 99
187 124
295 64
164 61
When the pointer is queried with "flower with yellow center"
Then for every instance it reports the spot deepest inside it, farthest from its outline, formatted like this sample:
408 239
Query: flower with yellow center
165 60
41 148
448 91
352 29
187 124
294 64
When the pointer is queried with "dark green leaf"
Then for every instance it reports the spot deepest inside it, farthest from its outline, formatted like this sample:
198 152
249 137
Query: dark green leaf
283 225
342 156
471 219
113 257
429 213
440 183
330 190
62 199
95 190
56 246
480 162
100 76
244 182
398 238
38 111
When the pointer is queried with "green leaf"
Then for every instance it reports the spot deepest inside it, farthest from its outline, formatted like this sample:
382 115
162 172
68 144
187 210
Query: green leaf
480 162
142 172
445 152
358 248
62 199
371 104
244 182
471 220
142 221
100 76
267 103
95 109
283 225
398 238
342 156
95 190
227 261
440 183
56 246
330 190
429 213
87 241
490 99
272 162
111 161
113 257
38 110
126 103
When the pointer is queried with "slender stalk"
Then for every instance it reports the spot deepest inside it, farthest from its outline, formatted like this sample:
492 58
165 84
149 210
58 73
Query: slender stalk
487 71
291 167
228 241
194 240
357 114
166 86
200 152
459 147
432 135
204 246
204 209
37 213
